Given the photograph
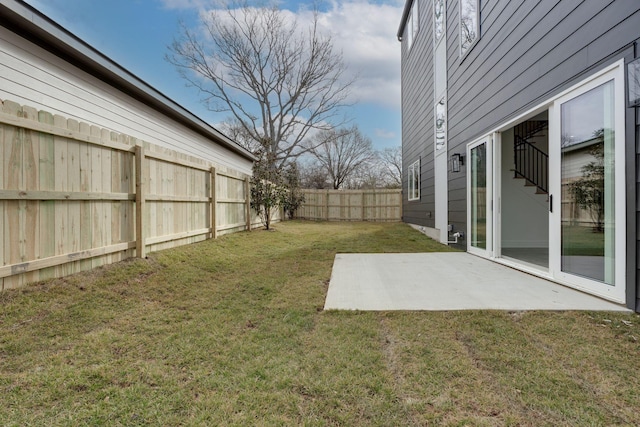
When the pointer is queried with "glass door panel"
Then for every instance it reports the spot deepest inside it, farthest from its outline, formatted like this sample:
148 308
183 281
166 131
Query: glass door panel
479 197
588 207
478 212
587 171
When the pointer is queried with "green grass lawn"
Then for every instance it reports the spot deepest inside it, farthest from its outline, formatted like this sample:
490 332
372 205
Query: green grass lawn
232 332
582 241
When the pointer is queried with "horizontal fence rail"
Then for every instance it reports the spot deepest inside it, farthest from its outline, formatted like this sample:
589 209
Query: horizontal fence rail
351 205
74 197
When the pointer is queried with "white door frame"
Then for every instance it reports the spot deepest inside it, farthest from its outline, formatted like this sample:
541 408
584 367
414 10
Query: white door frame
498 199
486 140
496 193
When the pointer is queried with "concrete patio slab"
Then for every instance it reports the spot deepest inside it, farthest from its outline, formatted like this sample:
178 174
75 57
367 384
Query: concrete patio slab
445 281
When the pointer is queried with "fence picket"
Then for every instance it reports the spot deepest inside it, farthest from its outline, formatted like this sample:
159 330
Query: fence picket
47 207
29 229
351 205
67 193
12 168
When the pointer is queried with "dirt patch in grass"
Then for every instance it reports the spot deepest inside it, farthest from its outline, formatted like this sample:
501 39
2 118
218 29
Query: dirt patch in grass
231 332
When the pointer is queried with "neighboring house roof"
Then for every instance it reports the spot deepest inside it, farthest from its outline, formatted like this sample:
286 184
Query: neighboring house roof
32 25
405 16
580 144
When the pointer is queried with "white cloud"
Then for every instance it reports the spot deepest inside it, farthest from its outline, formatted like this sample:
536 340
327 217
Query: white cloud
186 4
384 134
365 32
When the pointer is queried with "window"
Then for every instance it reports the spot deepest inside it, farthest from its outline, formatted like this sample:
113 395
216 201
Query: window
633 70
412 26
469 24
414 181
438 19
441 125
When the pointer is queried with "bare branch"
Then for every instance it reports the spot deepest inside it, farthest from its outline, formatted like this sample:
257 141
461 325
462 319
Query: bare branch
278 82
342 152
391 165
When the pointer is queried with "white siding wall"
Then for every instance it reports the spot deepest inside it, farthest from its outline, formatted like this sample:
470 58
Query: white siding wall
32 76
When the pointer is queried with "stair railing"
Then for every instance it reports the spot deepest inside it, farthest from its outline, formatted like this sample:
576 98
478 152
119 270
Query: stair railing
531 164
530 128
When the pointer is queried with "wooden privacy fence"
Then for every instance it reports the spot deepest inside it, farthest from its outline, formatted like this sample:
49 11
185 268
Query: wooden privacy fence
351 205
74 197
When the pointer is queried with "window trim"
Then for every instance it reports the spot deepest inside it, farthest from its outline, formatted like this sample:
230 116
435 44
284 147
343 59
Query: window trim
413 171
475 40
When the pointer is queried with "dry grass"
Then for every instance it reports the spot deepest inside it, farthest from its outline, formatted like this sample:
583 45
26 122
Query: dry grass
232 332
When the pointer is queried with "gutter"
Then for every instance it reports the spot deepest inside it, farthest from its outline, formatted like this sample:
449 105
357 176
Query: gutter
32 25
405 16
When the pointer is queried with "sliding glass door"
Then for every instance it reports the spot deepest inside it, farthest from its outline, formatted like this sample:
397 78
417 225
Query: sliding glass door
575 220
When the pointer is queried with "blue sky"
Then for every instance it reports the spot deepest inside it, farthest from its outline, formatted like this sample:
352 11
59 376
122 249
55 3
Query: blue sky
136 33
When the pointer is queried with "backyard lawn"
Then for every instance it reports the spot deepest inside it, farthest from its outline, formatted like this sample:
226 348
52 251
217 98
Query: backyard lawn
232 332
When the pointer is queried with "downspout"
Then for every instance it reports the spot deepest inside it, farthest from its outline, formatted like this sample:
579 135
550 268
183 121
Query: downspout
457 235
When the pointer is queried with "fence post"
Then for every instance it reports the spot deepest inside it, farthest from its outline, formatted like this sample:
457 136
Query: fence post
140 200
214 205
326 204
247 192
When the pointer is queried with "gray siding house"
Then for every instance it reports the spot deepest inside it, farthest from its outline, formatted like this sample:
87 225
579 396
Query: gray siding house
520 125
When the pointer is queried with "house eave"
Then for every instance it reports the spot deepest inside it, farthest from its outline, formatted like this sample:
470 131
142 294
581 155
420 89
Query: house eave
32 25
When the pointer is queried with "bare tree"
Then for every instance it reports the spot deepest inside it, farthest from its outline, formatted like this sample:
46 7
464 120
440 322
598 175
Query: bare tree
279 82
367 176
391 164
375 173
314 176
342 152
234 130
382 169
